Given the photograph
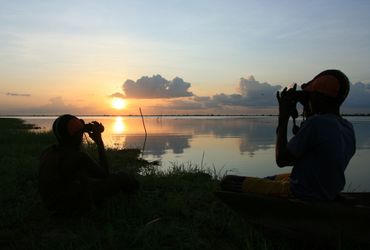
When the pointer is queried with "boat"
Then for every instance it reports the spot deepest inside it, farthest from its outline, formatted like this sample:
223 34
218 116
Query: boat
346 219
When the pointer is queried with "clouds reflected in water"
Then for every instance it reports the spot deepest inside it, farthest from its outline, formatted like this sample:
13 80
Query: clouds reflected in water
251 134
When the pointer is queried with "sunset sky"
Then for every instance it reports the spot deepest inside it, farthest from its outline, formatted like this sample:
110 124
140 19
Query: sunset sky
175 57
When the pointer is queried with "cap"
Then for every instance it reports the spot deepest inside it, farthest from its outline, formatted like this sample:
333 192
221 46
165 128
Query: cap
332 83
66 126
326 84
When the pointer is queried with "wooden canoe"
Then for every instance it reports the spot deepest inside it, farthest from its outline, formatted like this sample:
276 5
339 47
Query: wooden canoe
347 219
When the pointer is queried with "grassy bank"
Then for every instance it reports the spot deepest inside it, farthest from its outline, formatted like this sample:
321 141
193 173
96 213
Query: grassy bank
174 209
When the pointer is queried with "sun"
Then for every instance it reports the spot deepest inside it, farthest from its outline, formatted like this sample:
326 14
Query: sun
119 103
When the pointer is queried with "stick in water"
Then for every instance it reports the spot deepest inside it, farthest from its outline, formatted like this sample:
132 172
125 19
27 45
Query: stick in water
142 119
146 134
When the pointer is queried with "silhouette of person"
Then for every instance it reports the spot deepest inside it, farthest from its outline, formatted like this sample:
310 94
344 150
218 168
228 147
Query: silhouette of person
319 151
70 182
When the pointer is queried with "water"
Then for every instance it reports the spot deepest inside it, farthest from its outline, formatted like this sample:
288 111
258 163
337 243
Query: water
237 145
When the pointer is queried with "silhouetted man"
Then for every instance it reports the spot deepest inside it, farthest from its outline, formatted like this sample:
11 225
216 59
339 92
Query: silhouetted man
325 143
69 180
319 151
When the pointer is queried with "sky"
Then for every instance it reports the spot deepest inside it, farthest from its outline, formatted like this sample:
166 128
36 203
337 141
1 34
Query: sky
176 57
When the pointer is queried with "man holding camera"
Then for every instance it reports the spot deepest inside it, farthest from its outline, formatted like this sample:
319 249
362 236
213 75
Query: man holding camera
319 151
70 181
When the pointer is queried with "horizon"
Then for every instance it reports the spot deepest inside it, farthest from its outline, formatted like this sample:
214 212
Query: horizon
161 115
199 58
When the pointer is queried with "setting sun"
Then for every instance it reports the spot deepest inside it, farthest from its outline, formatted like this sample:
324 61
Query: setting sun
119 103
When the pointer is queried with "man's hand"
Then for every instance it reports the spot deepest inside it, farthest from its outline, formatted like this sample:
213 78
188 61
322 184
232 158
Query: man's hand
287 102
95 134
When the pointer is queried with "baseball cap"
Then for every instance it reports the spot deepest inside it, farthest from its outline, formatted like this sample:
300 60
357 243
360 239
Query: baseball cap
332 83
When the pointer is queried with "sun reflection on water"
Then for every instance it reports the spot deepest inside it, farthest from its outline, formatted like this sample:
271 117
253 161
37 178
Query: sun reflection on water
119 127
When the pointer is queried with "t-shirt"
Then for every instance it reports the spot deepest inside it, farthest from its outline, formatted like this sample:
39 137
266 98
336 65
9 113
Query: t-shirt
323 147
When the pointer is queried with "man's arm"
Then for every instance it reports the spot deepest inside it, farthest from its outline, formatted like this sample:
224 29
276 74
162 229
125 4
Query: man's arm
96 137
282 156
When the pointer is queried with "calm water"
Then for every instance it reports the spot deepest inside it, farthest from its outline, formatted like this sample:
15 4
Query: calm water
239 145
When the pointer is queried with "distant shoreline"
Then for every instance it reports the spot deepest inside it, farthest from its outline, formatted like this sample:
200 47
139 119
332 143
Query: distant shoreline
160 115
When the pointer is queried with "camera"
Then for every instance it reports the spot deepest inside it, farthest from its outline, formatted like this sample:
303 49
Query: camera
93 127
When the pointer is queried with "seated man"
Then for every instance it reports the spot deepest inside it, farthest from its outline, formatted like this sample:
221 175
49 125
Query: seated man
319 151
70 181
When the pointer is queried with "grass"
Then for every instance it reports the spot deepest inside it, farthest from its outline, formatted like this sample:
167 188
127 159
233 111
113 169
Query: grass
175 209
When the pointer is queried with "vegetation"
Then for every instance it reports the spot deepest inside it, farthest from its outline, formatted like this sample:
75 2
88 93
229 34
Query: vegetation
174 208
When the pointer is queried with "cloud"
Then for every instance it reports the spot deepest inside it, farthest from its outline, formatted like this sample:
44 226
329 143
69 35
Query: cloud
156 87
192 103
208 102
17 94
359 96
251 93
56 105
188 104
117 95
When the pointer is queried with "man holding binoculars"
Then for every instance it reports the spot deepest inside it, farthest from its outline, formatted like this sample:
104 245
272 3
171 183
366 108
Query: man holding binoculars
324 144
320 149
70 181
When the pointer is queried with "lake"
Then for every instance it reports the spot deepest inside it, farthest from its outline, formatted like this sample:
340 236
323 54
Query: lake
236 145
